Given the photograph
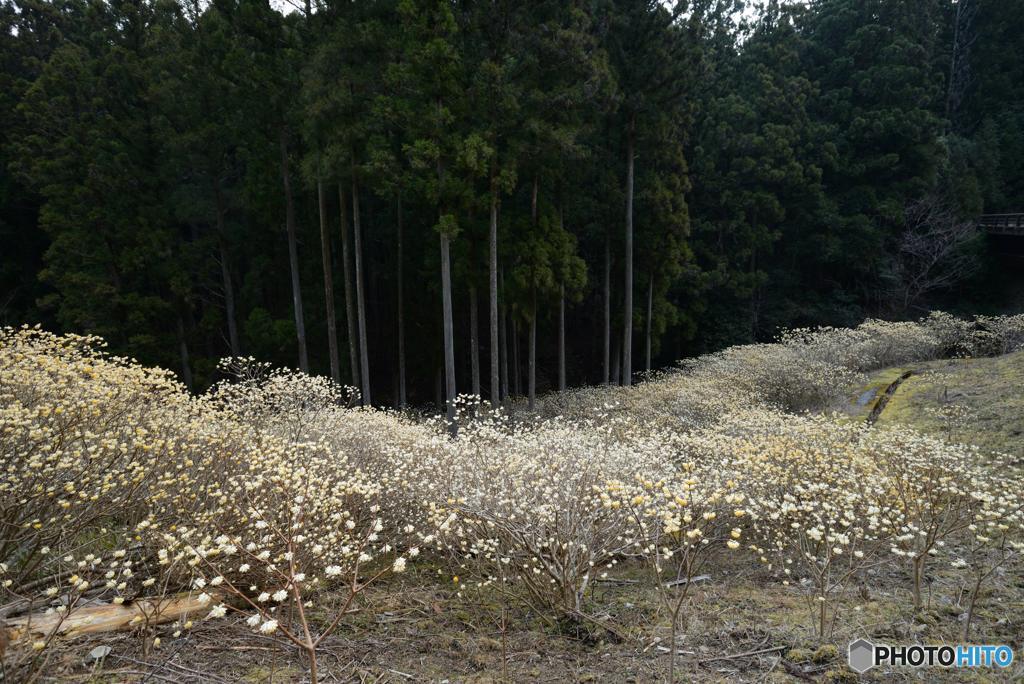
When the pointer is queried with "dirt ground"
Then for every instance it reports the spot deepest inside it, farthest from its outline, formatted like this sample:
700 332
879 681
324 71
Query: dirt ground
742 627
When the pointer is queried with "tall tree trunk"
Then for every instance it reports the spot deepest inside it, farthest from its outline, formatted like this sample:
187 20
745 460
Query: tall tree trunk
754 296
364 364
650 309
561 313
350 312
401 313
616 360
607 307
532 362
959 80
225 273
474 342
373 304
627 318
531 342
533 200
186 366
446 304
561 337
449 334
493 298
293 252
504 343
439 388
325 251
516 389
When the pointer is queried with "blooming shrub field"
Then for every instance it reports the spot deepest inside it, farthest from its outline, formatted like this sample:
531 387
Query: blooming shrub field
271 501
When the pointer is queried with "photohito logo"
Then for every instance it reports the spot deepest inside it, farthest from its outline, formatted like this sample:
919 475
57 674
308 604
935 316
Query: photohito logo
864 655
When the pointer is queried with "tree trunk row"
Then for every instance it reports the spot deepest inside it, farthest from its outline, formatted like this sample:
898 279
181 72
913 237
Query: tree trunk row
497 318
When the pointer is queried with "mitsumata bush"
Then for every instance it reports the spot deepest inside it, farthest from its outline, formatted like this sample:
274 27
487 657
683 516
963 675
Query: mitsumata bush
272 498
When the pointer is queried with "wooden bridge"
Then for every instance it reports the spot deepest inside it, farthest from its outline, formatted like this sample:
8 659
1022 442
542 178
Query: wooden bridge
1003 224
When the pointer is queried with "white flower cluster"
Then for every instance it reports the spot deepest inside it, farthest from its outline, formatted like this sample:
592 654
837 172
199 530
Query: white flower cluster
271 488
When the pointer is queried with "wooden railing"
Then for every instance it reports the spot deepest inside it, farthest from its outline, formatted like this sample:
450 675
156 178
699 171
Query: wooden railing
1002 224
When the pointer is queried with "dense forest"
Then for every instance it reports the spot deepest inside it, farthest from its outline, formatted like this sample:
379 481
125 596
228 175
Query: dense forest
422 198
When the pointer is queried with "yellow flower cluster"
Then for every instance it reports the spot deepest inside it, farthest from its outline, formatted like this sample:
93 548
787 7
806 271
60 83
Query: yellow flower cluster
218 493
271 487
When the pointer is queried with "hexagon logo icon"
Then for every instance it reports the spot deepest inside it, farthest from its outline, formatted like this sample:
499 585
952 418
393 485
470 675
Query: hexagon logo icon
861 656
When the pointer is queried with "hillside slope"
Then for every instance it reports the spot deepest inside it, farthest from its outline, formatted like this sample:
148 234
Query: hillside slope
977 400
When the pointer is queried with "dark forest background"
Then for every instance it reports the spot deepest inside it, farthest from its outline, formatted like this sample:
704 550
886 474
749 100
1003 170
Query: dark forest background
197 180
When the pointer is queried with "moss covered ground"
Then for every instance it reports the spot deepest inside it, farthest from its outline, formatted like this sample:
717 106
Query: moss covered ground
977 401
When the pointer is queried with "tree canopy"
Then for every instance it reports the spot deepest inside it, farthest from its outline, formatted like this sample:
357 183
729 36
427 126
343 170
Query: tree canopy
602 177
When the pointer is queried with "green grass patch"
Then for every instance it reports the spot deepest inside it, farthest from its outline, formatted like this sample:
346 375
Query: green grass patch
991 390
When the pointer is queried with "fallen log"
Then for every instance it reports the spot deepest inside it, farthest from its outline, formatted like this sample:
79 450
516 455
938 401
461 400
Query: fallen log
109 617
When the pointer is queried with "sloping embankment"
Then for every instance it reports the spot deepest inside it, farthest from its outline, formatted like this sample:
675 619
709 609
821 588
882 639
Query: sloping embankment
990 390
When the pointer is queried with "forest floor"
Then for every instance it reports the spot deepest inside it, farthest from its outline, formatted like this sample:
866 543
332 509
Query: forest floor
424 626
750 629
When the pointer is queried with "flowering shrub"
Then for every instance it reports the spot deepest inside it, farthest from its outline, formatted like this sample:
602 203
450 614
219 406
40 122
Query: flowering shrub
682 521
933 491
998 335
523 507
286 523
273 497
215 495
87 441
804 369
806 485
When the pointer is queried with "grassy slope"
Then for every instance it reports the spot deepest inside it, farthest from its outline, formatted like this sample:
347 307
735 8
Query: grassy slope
992 389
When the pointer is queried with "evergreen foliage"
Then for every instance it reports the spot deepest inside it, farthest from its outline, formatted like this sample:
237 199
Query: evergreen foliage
605 186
